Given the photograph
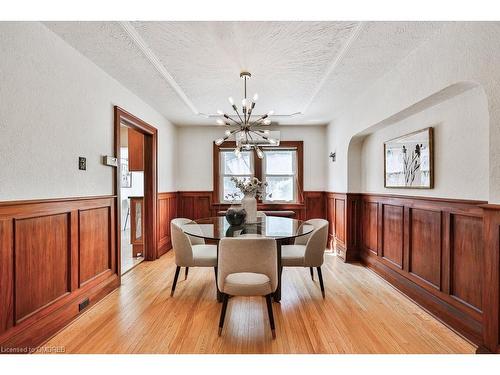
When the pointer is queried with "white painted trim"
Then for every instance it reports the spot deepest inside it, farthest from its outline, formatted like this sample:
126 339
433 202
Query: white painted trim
155 61
336 61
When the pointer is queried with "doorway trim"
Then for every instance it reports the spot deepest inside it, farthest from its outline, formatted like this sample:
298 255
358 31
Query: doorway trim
150 181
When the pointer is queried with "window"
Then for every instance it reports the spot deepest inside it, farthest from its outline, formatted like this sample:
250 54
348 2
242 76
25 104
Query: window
232 166
280 173
281 168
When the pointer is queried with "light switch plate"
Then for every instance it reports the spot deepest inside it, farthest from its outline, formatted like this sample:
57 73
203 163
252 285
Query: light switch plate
82 163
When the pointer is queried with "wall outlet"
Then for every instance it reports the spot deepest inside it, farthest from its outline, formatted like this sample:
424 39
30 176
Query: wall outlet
82 163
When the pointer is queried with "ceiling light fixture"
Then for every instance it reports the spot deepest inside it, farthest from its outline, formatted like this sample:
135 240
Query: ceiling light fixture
245 132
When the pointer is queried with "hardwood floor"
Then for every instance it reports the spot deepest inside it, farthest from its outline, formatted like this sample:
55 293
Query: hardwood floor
127 260
361 314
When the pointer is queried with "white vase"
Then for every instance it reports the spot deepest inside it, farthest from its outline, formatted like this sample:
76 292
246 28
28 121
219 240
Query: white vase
249 203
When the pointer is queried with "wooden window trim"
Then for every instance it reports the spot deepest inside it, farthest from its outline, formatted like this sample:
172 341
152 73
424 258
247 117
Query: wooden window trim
299 145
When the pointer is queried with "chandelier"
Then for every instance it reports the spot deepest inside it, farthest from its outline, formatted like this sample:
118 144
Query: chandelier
247 132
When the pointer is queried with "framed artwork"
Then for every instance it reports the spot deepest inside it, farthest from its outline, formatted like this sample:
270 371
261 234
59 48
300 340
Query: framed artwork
409 161
126 176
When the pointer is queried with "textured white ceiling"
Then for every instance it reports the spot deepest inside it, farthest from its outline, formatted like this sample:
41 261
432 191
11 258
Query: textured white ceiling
185 68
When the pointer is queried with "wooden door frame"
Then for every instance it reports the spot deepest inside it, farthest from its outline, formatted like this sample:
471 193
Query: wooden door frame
150 181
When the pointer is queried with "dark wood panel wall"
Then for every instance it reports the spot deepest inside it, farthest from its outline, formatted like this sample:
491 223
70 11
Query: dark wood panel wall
167 210
198 204
53 255
342 211
491 278
430 249
442 253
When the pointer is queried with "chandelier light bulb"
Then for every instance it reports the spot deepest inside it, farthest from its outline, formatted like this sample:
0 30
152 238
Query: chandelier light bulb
267 122
219 141
244 102
255 98
266 132
228 133
237 152
259 152
220 121
247 146
231 101
272 141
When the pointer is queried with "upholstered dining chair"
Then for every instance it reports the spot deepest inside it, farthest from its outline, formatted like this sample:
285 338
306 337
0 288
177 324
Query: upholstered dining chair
247 267
190 251
308 250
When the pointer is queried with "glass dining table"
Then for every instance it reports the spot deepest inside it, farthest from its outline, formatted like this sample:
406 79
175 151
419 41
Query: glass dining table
282 229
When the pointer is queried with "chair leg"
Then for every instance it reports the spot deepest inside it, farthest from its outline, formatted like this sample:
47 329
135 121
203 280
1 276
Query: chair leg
312 273
177 270
270 313
225 300
186 273
320 276
216 286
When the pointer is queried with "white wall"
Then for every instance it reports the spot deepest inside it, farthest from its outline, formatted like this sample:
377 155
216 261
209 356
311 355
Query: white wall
195 145
462 56
460 149
56 105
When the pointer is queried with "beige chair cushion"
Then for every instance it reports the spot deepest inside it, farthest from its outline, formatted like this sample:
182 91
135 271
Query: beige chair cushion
183 245
247 284
293 255
311 248
247 266
204 255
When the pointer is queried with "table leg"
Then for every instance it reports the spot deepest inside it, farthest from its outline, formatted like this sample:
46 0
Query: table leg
277 294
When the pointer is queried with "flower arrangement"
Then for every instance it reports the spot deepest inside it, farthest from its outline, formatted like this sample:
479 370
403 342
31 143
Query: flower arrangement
252 187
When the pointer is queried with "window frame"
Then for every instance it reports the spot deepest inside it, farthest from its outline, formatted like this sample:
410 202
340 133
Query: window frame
298 145
294 175
223 174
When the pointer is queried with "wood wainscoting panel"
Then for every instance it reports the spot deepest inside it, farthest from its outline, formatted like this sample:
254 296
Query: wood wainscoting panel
392 234
439 243
6 275
167 210
330 216
339 223
315 207
42 260
467 258
195 204
425 245
45 246
200 204
95 244
343 211
491 279
369 226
